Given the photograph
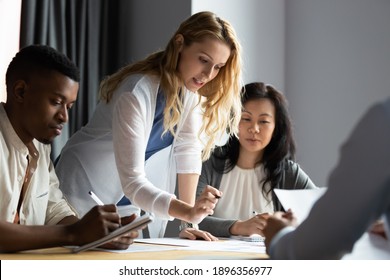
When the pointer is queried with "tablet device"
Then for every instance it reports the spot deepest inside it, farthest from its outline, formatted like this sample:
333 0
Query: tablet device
137 224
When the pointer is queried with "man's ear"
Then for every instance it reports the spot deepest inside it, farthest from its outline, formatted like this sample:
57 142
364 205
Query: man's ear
18 90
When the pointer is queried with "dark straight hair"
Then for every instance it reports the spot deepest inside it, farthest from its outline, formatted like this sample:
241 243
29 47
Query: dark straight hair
282 145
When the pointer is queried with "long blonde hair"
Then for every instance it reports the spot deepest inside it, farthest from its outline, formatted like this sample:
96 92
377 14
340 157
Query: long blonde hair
222 103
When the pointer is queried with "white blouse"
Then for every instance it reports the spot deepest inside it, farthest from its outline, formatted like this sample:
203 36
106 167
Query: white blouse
243 194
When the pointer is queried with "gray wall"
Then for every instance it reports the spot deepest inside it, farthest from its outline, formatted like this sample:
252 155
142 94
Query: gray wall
337 65
152 23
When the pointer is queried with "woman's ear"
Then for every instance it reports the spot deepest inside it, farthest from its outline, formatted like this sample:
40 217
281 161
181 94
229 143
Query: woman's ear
179 40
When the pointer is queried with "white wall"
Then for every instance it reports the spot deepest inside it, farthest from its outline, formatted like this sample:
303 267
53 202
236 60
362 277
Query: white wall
337 65
9 37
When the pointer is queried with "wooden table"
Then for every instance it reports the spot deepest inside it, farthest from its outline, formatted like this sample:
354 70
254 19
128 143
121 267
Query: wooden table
60 253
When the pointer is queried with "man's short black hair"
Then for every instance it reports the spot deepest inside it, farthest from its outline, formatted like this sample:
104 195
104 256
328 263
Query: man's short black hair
39 58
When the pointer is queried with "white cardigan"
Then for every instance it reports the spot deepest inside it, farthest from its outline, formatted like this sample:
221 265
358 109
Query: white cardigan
108 154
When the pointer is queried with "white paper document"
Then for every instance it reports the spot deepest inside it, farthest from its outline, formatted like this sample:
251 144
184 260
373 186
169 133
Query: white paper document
224 244
299 201
369 246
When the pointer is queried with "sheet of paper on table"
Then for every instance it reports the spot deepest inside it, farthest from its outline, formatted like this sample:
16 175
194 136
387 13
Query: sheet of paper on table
224 244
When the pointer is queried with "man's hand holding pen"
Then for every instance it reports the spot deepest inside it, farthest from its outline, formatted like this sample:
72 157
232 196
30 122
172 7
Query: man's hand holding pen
114 223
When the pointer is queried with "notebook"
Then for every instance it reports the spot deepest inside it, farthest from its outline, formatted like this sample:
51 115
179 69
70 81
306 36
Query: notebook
250 238
137 224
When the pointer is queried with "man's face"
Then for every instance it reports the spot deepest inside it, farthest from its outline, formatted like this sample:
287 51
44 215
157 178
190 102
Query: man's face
46 101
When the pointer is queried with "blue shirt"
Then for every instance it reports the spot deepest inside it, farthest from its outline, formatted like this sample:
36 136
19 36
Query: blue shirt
157 141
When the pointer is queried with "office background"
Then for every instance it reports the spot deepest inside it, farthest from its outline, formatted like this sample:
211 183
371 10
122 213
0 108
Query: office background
331 58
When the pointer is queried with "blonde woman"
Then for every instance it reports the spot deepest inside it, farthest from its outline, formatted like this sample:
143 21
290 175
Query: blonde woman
170 98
